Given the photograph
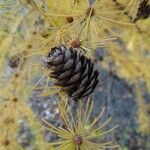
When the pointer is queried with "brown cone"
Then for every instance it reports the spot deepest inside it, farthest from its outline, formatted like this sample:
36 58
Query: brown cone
72 71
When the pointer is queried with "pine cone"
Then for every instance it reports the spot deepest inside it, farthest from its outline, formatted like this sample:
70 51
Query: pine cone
72 71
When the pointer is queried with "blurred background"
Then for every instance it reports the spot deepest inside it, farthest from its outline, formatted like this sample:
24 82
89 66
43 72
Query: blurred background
116 36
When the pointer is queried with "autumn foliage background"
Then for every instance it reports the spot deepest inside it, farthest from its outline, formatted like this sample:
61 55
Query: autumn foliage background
114 33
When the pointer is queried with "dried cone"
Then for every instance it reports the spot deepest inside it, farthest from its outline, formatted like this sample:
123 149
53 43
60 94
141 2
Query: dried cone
72 71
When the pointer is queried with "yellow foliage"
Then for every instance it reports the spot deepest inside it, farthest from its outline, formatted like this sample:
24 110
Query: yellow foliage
79 132
23 36
143 110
